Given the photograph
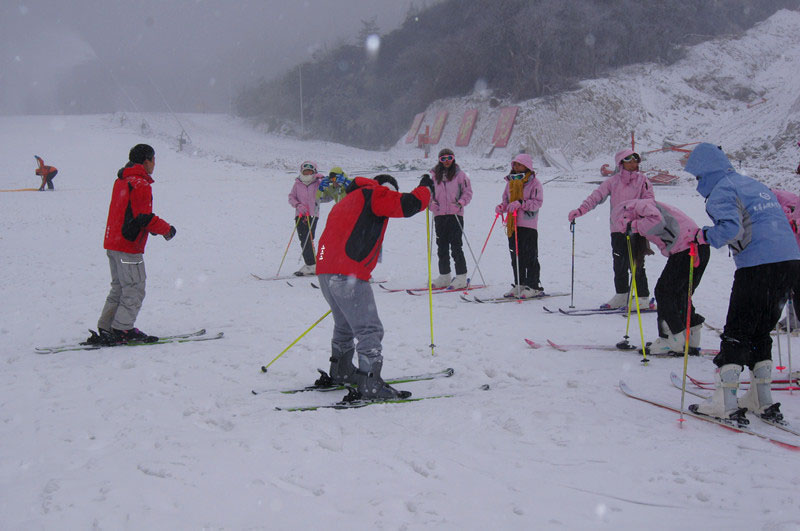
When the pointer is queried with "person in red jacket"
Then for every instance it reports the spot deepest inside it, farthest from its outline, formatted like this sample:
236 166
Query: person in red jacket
347 253
47 173
130 221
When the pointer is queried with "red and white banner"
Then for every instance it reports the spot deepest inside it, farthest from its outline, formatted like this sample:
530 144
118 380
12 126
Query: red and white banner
438 127
505 123
412 133
467 125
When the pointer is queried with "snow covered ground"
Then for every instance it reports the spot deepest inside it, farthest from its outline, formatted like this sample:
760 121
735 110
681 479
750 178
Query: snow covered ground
170 437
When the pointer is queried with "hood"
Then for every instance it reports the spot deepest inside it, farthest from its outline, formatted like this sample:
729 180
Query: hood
133 170
621 155
361 182
709 164
525 160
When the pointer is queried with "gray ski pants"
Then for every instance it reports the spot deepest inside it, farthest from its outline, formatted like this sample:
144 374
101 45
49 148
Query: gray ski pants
355 316
127 291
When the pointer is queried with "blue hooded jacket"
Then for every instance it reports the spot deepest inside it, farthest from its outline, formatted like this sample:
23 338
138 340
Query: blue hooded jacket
746 214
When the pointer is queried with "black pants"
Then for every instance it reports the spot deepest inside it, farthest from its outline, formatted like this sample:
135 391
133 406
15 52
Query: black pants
306 243
757 298
448 240
672 289
49 180
622 263
528 257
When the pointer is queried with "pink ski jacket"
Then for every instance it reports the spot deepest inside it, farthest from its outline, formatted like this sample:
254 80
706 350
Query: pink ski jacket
532 199
303 197
450 197
622 186
790 203
664 225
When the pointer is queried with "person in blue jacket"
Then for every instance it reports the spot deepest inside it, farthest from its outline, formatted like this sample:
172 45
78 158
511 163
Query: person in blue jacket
749 220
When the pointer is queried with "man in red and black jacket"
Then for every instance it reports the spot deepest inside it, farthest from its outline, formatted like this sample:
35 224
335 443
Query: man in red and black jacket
347 253
47 173
130 221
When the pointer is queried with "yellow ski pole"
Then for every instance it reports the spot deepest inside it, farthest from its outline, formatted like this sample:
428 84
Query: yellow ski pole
692 254
291 237
430 290
635 295
265 367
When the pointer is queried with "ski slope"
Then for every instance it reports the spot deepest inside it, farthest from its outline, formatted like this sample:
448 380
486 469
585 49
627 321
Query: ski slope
170 436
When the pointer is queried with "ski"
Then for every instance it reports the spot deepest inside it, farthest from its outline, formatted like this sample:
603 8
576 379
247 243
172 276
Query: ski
613 348
598 311
777 385
500 300
199 335
379 282
445 373
355 404
781 425
442 290
361 403
719 330
731 426
282 277
533 344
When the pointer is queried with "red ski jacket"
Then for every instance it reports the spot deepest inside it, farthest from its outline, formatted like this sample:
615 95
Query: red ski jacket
351 241
130 214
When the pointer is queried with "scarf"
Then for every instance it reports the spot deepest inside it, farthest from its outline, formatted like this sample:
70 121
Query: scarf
516 191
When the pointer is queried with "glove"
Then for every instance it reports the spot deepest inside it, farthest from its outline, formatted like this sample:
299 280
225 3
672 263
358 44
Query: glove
341 179
426 181
171 234
700 237
324 183
499 209
513 206
574 214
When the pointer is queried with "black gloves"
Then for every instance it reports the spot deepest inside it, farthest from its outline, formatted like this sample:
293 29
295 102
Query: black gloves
171 233
426 181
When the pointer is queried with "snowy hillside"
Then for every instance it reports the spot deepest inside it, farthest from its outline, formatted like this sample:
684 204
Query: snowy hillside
170 436
715 94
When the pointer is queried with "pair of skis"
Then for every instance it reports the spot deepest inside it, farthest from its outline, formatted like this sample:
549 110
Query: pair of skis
725 423
577 312
565 347
199 335
445 373
501 300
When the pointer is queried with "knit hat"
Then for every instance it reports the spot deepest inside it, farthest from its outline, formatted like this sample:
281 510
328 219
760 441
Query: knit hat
308 165
385 180
446 151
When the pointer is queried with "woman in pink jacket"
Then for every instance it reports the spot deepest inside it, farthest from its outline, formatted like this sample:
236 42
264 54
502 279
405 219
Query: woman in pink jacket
451 193
628 183
303 198
790 204
522 199
672 232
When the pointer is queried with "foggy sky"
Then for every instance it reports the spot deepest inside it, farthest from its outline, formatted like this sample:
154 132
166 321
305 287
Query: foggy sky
62 56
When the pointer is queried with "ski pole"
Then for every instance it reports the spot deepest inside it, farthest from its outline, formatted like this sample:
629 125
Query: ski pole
287 246
635 295
789 317
430 290
310 236
460 226
692 255
484 248
572 282
516 256
265 367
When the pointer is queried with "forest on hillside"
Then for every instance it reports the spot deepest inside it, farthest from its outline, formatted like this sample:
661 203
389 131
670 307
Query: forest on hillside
511 49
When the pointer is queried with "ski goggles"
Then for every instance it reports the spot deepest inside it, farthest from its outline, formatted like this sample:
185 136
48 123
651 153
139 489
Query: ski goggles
446 158
633 157
308 166
516 176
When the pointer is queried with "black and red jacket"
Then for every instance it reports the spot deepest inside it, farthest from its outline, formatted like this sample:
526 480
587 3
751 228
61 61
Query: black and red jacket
130 214
351 241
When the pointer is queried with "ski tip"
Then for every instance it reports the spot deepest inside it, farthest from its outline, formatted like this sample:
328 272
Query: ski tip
532 344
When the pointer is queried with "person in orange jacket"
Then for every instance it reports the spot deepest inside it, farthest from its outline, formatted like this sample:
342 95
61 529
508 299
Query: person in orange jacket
46 172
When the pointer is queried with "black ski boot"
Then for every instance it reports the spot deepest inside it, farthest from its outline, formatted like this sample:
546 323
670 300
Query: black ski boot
101 338
134 335
372 387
